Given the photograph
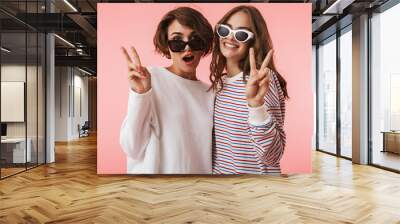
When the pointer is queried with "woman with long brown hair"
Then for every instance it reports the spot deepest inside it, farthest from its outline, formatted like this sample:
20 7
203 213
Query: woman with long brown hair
250 102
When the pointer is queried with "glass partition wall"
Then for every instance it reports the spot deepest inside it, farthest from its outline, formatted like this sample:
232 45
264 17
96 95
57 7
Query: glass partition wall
22 88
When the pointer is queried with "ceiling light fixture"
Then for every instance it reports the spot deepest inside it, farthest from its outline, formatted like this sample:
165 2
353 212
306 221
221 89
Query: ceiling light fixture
84 71
337 7
5 50
70 5
64 40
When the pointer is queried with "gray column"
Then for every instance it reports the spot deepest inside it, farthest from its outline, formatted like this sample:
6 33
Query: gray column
360 90
50 92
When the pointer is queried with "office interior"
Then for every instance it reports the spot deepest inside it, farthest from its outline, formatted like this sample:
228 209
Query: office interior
48 81
357 86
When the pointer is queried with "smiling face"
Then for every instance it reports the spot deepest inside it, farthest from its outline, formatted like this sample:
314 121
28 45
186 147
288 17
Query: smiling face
184 62
231 49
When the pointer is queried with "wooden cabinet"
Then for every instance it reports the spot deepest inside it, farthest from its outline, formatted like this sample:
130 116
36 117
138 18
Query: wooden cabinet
391 142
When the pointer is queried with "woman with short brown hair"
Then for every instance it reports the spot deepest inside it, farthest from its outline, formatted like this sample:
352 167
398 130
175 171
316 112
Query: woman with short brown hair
168 126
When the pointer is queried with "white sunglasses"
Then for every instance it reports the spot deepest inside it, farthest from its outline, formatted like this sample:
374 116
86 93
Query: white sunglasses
241 35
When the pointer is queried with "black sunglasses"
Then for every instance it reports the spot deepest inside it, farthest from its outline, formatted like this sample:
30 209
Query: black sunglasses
195 44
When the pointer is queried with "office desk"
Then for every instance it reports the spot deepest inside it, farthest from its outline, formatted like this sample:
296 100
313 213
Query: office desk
391 141
15 148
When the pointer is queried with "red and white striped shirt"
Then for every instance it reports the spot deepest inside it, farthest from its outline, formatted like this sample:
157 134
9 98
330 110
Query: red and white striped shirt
242 142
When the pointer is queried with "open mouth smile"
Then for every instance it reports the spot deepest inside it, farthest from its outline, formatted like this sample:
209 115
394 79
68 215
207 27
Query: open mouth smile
188 58
230 45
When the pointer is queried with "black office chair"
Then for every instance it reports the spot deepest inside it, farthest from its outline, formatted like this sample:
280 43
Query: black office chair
84 130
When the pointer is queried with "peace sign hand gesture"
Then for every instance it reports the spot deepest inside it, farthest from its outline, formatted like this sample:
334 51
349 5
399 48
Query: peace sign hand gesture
139 76
258 84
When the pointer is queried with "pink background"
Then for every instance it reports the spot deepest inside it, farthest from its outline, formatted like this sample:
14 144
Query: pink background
134 24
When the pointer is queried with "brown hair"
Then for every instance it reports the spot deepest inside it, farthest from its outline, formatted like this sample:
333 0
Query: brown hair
187 17
262 44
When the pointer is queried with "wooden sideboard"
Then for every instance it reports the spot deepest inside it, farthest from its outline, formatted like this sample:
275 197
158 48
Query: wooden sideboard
391 141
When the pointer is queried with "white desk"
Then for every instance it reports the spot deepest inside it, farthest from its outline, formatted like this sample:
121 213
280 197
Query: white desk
18 153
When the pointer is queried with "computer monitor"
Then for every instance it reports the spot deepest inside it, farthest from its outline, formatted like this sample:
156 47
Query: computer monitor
3 129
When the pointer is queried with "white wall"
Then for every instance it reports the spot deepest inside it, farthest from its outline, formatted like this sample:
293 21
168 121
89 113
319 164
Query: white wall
80 110
71 93
16 73
62 81
12 101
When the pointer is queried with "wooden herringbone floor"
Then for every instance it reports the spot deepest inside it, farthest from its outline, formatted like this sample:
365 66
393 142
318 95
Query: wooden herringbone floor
69 191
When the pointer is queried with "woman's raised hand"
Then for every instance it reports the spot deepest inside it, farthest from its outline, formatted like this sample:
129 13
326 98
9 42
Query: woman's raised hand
258 84
139 77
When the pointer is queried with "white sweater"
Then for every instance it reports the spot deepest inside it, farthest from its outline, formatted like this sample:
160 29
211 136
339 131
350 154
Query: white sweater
168 130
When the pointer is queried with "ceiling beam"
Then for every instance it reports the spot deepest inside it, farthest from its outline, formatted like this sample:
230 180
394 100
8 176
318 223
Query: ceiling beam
84 24
337 7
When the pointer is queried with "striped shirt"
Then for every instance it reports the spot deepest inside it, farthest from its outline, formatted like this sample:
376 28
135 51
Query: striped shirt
242 145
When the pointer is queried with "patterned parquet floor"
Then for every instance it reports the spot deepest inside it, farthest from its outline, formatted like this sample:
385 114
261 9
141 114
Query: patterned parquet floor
70 191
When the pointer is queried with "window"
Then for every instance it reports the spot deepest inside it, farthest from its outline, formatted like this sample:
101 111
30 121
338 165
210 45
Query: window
346 74
327 95
385 89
